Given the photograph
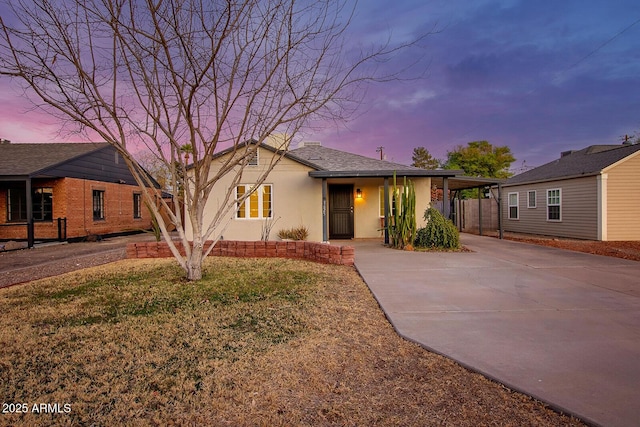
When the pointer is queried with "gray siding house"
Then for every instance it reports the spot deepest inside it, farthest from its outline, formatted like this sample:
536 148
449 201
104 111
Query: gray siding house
585 194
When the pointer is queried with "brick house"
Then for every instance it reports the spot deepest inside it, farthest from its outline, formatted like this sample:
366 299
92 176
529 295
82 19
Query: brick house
67 191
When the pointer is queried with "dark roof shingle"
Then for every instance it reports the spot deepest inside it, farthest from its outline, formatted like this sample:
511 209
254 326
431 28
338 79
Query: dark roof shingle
27 159
329 159
588 161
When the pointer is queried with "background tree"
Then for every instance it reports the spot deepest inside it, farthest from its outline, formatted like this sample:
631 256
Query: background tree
481 159
165 74
423 159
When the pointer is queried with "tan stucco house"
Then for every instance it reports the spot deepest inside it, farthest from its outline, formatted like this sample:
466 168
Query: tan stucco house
585 194
333 193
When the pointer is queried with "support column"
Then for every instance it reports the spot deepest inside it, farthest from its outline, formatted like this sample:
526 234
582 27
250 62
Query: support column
446 207
500 211
30 233
480 211
386 210
325 234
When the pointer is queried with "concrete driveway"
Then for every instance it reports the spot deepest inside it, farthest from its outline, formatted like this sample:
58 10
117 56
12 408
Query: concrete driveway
561 326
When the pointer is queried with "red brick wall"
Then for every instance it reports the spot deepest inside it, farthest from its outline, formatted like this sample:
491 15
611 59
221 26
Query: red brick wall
318 252
118 202
72 199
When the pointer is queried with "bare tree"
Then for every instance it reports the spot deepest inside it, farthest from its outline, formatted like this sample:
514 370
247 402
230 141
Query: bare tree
207 75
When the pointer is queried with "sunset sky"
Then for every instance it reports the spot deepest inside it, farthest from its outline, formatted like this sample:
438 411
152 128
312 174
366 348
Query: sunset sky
539 76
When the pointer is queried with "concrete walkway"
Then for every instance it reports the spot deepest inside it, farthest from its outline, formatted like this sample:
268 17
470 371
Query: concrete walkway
561 326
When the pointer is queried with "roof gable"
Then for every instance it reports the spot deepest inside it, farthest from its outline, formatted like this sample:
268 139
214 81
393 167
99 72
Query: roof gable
589 161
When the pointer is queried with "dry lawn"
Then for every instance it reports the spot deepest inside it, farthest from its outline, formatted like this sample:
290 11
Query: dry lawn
257 342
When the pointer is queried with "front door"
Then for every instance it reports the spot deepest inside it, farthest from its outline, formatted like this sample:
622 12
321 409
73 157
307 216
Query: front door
340 211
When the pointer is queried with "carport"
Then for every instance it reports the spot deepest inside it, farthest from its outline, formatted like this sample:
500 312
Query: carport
455 185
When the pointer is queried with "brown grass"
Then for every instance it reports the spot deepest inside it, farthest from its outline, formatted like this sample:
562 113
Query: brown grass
257 342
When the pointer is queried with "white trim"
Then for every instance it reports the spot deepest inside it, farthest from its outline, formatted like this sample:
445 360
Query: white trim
535 199
602 181
247 206
559 190
517 205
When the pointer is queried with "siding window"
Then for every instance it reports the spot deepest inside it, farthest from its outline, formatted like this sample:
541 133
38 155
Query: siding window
98 205
43 204
554 204
258 205
513 205
16 204
137 205
531 199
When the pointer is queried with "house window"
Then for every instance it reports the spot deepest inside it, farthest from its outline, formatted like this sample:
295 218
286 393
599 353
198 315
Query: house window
137 205
43 204
513 205
98 205
16 205
392 200
554 204
253 159
258 205
531 199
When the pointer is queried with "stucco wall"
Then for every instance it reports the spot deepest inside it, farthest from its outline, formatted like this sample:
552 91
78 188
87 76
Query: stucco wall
297 201
367 220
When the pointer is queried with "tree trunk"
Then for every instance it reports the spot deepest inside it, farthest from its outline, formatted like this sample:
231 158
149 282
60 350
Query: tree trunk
194 263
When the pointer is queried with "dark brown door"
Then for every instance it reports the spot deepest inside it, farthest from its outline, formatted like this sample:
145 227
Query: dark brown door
341 211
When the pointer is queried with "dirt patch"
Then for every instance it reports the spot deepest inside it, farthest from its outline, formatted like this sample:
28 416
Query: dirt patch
623 249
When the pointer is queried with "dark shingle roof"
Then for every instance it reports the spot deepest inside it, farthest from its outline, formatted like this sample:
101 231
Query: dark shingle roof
328 159
588 161
28 159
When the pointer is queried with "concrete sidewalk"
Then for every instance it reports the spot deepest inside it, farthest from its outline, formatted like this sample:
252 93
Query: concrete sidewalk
561 326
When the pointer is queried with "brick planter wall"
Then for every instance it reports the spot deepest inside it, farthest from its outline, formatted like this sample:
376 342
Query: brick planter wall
318 252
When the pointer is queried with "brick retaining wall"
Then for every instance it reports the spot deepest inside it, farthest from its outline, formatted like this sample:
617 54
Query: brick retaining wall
318 252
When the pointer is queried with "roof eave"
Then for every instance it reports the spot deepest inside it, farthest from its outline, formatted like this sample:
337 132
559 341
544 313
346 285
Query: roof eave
559 178
384 173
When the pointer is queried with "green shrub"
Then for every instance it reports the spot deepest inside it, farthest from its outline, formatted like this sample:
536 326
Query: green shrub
295 233
438 233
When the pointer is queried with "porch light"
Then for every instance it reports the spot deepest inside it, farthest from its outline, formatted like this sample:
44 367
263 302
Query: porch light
358 194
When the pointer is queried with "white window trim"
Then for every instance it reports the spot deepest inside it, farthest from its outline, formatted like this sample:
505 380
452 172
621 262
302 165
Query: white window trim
559 190
509 206
247 206
535 199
